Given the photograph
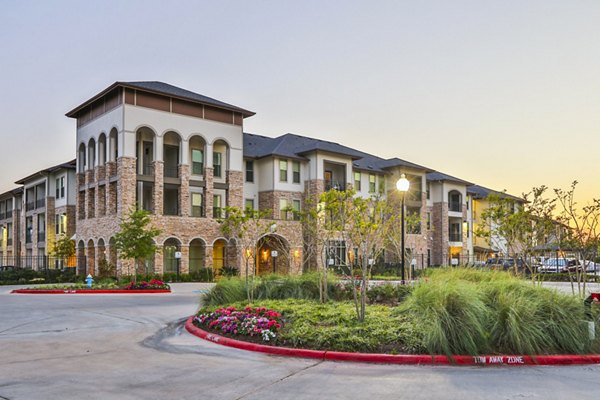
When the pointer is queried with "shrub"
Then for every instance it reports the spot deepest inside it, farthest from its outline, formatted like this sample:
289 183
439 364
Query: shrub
466 311
269 287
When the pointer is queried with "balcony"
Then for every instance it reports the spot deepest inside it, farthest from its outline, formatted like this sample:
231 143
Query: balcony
30 206
455 237
335 185
9 241
171 171
41 237
3 216
455 206
148 169
40 203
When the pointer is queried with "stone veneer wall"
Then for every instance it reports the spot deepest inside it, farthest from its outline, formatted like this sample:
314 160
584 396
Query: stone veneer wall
439 218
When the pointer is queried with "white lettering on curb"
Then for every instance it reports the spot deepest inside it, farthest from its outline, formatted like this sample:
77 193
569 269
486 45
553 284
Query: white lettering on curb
498 360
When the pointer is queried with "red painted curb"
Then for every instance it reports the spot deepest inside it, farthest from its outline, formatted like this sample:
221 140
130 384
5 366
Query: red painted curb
89 291
417 359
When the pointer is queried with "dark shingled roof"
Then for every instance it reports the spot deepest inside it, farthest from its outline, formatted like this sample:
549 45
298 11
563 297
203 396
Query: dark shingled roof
480 192
439 176
67 165
296 146
164 89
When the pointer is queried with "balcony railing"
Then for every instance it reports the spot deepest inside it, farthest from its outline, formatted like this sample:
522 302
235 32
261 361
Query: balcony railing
148 169
335 185
30 206
9 214
455 206
455 237
41 237
40 203
9 241
3 216
171 172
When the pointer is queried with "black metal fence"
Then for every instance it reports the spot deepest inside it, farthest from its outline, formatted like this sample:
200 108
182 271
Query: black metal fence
42 263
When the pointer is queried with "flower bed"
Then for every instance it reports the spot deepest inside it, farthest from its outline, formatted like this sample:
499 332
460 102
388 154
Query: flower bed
154 286
259 322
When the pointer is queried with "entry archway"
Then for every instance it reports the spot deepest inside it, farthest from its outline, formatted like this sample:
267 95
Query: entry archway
273 255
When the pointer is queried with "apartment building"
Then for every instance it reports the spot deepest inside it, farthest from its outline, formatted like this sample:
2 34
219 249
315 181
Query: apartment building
10 224
494 244
184 157
35 214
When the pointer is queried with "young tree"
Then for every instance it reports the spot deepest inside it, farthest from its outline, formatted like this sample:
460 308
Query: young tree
582 234
135 239
393 238
523 227
360 224
63 247
247 227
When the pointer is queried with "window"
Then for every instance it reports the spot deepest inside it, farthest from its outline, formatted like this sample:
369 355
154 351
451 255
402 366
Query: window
372 184
296 171
296 209
60 222
357 181
250 171
198 161
28 229
283 171
283 208
336 253
197 205
428 221
9 238
413 220
427 188
382 184
217 159
217 211
41 227
60 188
249 204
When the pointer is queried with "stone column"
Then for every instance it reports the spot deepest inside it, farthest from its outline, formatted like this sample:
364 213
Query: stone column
184 190
184 262
126 185
158 187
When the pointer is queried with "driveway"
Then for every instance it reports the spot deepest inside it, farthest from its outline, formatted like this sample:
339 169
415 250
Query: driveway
134 347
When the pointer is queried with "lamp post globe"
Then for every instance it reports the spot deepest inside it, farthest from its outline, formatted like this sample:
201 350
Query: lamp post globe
403 185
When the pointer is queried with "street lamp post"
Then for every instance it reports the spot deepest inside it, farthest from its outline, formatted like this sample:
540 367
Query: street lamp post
402 185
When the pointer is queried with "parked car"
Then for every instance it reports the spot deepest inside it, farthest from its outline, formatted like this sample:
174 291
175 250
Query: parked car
559 265
504 263
4 268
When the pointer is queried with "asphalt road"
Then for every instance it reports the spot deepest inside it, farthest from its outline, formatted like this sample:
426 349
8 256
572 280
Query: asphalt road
134 347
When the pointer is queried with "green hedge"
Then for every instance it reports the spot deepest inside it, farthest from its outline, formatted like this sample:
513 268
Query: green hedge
23 276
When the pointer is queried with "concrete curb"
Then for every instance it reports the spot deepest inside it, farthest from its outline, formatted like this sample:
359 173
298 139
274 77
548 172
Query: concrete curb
410 359
89 291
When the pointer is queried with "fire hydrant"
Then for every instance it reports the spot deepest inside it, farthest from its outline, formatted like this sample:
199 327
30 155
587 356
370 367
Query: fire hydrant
89 280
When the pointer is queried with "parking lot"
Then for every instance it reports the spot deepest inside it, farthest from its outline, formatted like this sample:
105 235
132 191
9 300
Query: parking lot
134 347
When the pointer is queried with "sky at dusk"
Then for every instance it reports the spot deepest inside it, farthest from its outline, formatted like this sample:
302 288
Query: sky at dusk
505 94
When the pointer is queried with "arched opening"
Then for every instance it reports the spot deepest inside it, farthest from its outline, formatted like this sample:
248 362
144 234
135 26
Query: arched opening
197 255
233 260
220 159
170 247
81 158
273 255
454 201
219 255
91 258
171 156
91 158
145 139
102 149
197 151
81 264
113 145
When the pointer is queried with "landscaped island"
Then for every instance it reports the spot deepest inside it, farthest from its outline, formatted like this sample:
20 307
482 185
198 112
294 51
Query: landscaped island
104 287
451 312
